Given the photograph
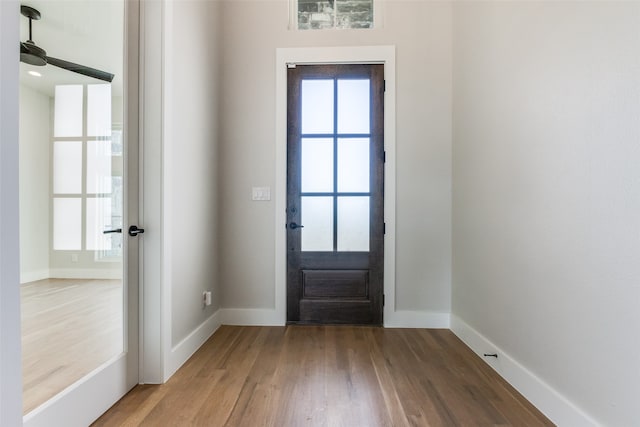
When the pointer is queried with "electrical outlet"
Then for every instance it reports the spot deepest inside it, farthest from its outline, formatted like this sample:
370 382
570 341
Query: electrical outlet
206 298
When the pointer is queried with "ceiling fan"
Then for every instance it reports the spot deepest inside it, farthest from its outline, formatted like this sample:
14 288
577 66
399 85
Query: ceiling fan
34 55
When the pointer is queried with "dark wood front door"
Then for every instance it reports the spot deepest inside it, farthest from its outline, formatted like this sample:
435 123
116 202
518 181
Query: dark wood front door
335 181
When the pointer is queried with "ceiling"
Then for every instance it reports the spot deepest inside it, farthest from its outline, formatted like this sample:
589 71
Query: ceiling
87 32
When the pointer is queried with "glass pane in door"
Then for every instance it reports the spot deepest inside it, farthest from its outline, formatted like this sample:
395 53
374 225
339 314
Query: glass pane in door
317 106
71 182
354 106
353 224
353 165
317 165
317 218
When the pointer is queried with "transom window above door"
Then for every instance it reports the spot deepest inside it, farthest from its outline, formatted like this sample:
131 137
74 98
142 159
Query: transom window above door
332 14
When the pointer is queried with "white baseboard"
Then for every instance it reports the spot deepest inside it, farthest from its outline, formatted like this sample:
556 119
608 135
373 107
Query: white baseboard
416 319
33 276
83 402
70 273
397 319
549 401
251 317
181 352
85 273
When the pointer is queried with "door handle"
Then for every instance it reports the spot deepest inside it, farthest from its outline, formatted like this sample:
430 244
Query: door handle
293 226
134 230
115 230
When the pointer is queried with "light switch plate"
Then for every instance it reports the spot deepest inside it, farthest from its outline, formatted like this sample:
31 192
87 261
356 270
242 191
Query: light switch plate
261 193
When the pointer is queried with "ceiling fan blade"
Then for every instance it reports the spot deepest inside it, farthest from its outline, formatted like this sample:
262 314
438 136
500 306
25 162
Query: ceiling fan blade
32 54
81 69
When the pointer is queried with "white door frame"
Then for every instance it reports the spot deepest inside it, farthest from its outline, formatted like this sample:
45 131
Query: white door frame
334 55
10 360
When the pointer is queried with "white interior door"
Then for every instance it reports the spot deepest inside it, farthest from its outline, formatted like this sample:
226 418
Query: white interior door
105 198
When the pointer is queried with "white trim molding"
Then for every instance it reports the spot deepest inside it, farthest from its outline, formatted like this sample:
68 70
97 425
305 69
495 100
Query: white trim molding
251 317
333 55
10 363
154 317
71 273
85 273
34 276
418 319
78 404
544 397
182 351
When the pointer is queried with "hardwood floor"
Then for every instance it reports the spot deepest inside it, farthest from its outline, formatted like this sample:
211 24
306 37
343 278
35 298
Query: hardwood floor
328 376
69 328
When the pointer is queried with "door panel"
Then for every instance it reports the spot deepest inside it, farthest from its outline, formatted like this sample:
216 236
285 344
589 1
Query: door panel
335 284
335 179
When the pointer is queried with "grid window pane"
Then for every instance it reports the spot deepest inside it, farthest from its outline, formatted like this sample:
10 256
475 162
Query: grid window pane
114 243
99 167
67 167
99 110
317 106
354 106
344 14
68 106
98 220
353 165
67 220
317 218
353 224
317 165
354 14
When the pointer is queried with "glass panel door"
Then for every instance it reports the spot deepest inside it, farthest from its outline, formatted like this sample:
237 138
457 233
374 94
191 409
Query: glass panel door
75 298
335 180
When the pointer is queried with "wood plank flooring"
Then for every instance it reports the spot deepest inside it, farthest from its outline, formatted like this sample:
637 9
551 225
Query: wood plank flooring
69 328
328 376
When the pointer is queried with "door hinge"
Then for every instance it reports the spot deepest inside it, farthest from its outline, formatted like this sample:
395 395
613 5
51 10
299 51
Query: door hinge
383 300
384 85
291 65
384 228
384 156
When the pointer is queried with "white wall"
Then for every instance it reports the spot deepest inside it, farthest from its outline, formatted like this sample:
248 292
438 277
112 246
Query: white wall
35 178
180 181
421 32
10 364
191 162
546 198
